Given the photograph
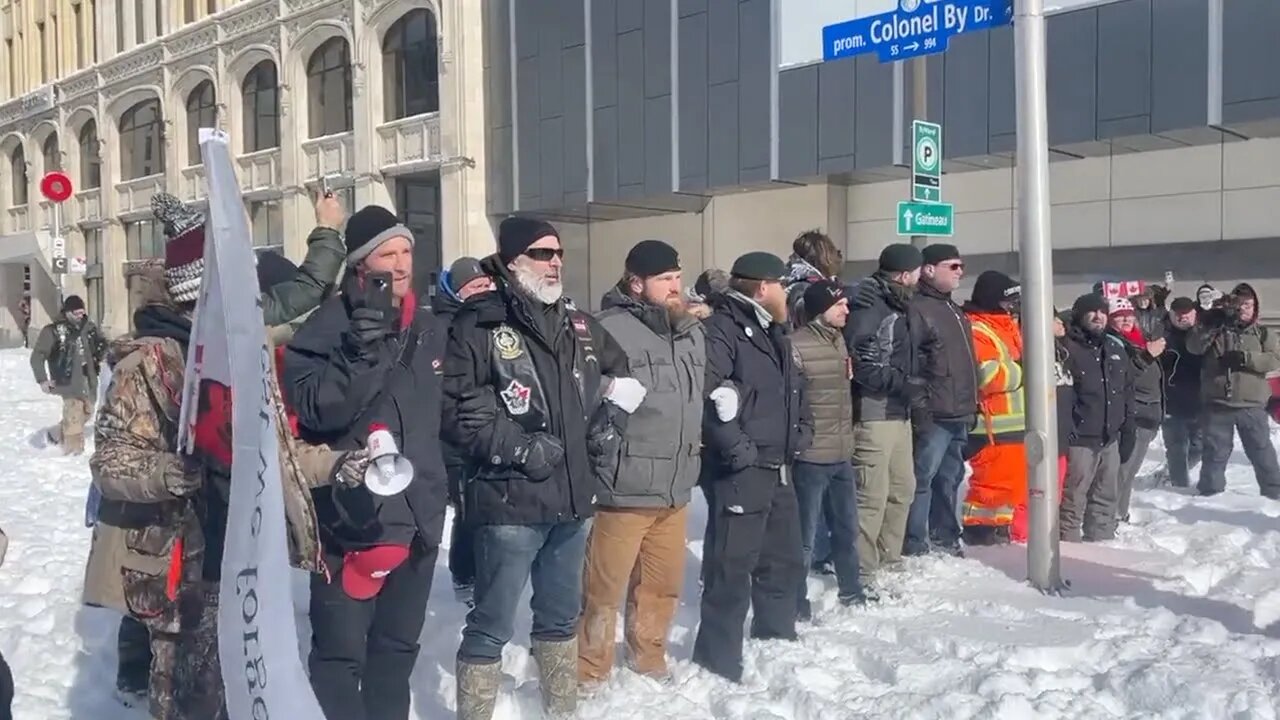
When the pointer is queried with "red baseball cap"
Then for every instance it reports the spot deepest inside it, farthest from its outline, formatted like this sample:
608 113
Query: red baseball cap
365 571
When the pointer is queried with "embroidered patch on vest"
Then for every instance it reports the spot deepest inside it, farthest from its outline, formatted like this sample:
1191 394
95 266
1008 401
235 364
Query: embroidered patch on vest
507 342
516 398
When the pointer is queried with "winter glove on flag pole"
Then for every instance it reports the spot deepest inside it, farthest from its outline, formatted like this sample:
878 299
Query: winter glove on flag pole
627 393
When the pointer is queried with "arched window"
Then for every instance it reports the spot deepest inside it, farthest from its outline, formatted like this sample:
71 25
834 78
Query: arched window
50 153
90 160
202 112
260 103
18 166
141 140
329 88
410 66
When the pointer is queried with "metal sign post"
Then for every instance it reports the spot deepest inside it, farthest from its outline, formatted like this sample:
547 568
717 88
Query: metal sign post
1036 255
56 187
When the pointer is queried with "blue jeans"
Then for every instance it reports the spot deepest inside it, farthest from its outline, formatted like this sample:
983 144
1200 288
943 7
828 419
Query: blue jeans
507 557
829 490
939 466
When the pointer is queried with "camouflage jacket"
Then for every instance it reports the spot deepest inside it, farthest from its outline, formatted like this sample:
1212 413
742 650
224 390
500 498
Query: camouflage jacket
143 527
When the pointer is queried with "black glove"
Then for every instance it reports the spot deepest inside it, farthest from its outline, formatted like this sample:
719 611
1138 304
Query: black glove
538 455
476 410
369 326
1234 359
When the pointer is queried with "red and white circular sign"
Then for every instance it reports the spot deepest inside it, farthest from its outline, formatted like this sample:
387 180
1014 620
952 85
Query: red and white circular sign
55 186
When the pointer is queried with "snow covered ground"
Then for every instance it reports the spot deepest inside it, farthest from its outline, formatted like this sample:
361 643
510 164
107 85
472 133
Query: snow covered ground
1177 618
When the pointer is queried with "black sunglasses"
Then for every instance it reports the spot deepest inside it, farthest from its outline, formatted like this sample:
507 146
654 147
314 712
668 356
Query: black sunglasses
544 254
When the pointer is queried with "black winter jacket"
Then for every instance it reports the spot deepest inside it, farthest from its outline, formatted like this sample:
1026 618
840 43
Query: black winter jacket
1181 375
952 369
1102 380
774 424
570 355
1148 386
338 392
444 307
889 343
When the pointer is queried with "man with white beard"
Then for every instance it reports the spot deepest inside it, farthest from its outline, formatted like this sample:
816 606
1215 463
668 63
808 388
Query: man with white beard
533 389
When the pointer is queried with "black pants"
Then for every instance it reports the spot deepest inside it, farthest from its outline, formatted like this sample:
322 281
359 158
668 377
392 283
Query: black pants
754 561
362 651
462 550
133 648
1220 426
6 691
1183 444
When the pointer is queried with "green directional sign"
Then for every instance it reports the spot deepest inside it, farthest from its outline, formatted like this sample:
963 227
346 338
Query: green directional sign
926 161
935 219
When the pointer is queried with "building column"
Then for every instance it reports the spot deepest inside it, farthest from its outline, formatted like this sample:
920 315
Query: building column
465 225
130 38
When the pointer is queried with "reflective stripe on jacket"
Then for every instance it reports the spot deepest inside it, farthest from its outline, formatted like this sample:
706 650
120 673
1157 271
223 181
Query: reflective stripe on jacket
997 342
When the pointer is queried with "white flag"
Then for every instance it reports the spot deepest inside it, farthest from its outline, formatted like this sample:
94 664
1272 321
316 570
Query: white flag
257 637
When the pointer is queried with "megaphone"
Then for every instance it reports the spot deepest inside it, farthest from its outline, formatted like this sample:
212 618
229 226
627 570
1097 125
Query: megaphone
389 472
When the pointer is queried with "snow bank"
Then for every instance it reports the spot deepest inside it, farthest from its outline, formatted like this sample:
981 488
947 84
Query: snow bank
1179 617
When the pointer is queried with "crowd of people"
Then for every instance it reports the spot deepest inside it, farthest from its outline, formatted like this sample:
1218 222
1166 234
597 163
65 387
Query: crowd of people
829 426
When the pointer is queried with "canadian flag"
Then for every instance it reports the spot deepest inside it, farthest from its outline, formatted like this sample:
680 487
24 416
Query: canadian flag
1123 289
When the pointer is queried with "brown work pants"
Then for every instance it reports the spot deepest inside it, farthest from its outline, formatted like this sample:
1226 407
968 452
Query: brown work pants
642 552
76 411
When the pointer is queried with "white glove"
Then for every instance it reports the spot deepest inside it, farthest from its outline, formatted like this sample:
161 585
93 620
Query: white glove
627 393
726 400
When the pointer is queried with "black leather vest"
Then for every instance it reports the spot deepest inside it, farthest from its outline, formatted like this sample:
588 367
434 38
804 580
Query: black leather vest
517 383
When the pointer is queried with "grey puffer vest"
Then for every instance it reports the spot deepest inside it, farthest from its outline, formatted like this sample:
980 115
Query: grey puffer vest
660 455
828 375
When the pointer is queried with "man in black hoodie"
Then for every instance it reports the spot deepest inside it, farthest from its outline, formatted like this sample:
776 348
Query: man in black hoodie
1183 406
952 405
1101 377
462 281
526 376
754 560
886 342
365 359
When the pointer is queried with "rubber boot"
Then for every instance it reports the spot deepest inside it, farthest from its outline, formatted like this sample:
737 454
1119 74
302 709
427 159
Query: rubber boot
558 671
478 690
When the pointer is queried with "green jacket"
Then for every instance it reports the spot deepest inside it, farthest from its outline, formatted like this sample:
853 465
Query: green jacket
823 358
1243 388
69 355
317 274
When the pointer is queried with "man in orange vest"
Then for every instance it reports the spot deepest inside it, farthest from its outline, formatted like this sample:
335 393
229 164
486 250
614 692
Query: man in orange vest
995 509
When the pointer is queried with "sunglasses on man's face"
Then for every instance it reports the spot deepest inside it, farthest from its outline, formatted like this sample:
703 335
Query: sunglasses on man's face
544 254
953 266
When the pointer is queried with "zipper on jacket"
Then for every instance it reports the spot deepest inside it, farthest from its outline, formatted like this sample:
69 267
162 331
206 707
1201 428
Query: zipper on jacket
968 343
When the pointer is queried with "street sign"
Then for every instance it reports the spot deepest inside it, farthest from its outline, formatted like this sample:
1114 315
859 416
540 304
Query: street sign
59 255
926 161
931 219
917 27
77 265
55 186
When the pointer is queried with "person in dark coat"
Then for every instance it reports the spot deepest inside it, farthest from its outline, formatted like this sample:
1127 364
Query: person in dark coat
952 405
361 361
1148 396
463 280
1101 374
1183 404
1238 353
534 392
66 361
886 340
1149 312
754 560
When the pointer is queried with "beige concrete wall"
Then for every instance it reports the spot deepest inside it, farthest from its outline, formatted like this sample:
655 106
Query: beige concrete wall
1217 192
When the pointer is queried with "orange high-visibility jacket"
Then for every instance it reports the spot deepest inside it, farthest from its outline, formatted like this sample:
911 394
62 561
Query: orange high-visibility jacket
997 343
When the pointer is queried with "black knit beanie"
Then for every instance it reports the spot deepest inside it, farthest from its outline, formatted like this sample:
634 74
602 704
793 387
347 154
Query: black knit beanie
368 228
516 234
991 288
652 257
900 257
1087 303
274 269
72 303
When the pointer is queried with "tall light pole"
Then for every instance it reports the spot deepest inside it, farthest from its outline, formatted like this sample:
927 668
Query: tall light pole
1036 255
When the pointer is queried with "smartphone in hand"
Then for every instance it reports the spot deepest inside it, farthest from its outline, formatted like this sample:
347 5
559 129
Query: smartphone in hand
377 290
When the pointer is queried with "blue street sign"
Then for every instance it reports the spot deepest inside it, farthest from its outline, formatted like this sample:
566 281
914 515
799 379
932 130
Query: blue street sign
917 27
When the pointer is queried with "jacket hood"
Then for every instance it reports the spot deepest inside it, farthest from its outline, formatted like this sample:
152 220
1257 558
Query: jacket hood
446 301
1245 289
800 270
878 287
